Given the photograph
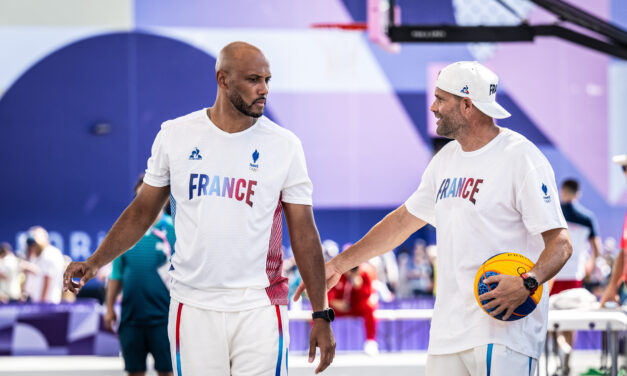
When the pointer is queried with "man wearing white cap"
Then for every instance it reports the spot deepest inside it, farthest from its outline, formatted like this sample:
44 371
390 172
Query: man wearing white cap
489 191
619 272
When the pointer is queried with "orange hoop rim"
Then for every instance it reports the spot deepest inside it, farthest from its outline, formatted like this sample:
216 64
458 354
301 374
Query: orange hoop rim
352 26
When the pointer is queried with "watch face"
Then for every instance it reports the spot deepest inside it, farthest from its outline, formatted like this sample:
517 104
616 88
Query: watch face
331 314
531 283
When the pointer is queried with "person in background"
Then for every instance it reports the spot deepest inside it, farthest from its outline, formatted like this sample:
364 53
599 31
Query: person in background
44 282
421 273
10 272
583 229
387 276
352 296
618 271
95 288
146 299
330 249
404 290
600 275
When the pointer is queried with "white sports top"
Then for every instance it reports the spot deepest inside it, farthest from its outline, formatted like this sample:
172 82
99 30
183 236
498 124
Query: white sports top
500 198
226 194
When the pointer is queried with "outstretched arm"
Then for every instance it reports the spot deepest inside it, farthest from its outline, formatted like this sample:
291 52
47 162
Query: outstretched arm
386 235
308 254
126 231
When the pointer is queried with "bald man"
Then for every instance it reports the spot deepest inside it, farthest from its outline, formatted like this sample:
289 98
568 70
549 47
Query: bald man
230 173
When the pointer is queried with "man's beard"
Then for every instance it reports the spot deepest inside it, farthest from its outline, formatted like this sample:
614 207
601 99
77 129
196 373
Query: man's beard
242 107
450 126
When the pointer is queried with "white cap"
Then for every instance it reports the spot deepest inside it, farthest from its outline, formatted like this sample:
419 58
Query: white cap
475 81
620 159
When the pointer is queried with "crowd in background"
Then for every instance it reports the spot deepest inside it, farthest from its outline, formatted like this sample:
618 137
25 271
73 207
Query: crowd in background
410 273
34 274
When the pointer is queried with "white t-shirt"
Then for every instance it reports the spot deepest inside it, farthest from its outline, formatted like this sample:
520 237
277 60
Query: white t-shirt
226 194
10 284
496 199
50 264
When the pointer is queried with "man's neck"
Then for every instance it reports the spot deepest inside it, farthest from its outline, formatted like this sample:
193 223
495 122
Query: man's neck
228 118
478 135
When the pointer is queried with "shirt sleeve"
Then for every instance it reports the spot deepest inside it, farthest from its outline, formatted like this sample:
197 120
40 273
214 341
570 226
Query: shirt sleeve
158 170
594 227
421 203
297 188
116 269
538 202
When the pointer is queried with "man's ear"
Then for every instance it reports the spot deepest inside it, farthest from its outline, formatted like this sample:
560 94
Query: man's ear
466 104
222 79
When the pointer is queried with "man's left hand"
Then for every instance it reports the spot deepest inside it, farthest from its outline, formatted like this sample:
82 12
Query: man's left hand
321 336
332 275
506 297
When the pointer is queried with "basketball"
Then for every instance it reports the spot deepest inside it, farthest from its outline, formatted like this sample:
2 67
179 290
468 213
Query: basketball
509 263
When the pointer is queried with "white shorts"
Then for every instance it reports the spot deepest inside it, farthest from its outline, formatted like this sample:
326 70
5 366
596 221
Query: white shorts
245 343
487 360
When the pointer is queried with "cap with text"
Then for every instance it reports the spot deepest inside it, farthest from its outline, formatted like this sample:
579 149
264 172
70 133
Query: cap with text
475 81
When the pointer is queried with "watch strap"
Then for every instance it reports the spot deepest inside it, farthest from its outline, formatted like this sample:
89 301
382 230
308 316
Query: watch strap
325 314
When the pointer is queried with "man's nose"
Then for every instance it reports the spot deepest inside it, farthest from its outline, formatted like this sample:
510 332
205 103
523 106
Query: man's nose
263 88
433 107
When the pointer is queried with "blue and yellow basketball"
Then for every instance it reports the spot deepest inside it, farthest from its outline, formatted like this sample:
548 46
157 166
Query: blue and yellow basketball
509 263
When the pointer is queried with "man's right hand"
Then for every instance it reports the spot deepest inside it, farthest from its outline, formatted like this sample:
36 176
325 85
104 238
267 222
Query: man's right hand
321 336
109 319
332 276
84 270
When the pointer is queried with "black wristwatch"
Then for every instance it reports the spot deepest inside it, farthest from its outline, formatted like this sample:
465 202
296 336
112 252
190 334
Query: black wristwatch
530 282
328 314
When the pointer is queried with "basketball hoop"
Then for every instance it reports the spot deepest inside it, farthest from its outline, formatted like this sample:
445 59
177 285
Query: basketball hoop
378 19
351 26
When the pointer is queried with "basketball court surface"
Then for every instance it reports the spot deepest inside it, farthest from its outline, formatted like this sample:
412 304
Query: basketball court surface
348 364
